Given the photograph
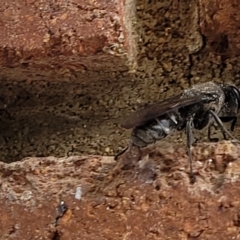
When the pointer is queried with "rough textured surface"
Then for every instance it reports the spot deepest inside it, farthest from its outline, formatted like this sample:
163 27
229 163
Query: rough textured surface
60 119
180 43
152 201
219 24
53 40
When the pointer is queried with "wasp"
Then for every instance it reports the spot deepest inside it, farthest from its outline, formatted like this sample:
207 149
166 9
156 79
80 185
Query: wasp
202 106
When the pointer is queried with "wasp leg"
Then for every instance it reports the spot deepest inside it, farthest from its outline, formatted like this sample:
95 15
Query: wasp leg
120 153
220 124
224 135
233 123
189 148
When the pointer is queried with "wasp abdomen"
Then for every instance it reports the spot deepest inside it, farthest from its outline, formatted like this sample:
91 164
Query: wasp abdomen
154 130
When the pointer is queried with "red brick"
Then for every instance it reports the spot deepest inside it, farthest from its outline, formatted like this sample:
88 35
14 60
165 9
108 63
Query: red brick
73 34
220 24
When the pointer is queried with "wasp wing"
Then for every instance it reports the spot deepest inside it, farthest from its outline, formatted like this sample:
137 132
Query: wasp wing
158 109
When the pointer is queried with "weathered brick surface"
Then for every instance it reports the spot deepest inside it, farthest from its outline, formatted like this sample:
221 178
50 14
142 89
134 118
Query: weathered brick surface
219 22
105 203
64 36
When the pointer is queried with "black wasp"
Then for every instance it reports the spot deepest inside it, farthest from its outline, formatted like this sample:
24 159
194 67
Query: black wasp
203 105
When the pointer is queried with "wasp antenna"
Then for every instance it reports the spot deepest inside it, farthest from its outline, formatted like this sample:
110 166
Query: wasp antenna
189 147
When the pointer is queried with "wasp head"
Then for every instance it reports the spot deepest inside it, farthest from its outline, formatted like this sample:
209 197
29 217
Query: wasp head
236 93
231 106
232 96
